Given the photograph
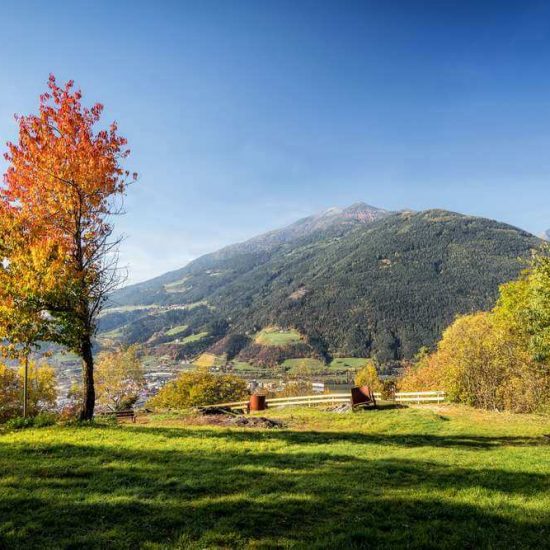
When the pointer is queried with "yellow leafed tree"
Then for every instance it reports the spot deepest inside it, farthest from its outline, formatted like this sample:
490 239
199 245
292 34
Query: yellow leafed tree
42 394
119 378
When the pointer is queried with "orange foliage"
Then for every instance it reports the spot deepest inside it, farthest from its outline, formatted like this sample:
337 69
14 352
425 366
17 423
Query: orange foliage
63 183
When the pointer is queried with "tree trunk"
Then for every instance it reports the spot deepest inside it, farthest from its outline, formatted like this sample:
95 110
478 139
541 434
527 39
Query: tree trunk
26 387
88 404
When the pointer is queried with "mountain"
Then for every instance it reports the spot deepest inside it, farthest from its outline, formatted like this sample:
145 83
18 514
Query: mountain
546 235
358 281
167 288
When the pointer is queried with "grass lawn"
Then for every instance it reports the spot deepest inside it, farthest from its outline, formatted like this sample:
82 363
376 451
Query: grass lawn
274 336
425 477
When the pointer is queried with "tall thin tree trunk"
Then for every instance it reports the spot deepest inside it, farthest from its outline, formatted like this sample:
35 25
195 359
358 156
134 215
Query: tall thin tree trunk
88 404
26 387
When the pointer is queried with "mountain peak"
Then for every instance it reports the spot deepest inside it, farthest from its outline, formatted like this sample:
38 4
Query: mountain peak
358 212
364 212
338 219
363 206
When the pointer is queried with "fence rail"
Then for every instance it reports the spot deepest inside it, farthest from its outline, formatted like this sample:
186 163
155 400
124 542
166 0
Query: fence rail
335 398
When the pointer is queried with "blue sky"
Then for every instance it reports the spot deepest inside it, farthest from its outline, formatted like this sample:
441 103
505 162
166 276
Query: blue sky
244 116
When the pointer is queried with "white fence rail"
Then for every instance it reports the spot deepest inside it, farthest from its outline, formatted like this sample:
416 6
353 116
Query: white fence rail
335 398
420 397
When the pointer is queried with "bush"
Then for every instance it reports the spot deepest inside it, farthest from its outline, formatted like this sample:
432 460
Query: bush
193 389
368 376
389 387
39 421
42 393
480 361
45 419
295 388
69 413
119 378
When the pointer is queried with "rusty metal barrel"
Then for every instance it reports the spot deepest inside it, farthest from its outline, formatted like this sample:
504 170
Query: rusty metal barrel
257 403
362 396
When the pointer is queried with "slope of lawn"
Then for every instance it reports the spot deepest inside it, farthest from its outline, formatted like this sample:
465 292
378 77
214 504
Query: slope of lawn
446 477
313 365
274 336
349 362
174 331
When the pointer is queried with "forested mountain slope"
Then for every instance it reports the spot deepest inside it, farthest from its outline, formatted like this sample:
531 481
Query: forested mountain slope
380 285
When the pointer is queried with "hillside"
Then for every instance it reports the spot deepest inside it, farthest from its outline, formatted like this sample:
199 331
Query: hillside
214 270
357 282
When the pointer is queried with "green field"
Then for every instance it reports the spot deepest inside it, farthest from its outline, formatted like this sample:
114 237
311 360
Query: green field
274 336
193 337
174 331
177 286
426 477
348 362
243 366
313 365
126 309
209 360
114 334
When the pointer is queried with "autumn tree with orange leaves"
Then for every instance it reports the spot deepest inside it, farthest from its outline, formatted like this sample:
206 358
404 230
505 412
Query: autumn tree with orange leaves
64 184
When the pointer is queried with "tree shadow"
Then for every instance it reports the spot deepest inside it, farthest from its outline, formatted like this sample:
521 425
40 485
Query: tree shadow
478 442
94 496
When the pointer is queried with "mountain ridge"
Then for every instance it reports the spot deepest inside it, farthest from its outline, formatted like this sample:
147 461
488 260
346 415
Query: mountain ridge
334 218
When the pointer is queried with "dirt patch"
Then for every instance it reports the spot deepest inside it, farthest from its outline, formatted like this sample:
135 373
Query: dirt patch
255 422
237 421
340 409
216 416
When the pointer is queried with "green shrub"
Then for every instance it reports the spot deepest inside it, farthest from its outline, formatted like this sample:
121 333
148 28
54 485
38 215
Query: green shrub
368 376
42 390
389 387
193 389
39 421
295 388
18 423
45 419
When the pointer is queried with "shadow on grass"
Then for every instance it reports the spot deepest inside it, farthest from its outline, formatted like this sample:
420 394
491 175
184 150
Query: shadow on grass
96 496
327 437
389 406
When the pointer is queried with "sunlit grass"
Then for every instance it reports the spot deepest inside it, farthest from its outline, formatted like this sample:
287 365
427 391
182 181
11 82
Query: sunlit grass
176 330
348 362
419 477
274 336
193 337
305 362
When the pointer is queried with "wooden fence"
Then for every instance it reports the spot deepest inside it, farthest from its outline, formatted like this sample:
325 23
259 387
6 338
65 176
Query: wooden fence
336 398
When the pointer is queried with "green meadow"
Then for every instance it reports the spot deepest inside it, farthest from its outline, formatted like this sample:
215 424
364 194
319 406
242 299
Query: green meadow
419 477
273 336
348 362
174 331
